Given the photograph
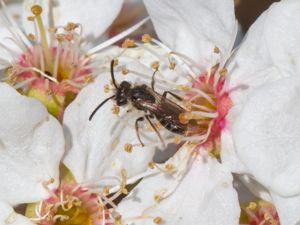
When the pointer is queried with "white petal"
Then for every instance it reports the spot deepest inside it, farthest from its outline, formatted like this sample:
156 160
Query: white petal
266 136
194 28
94 15
9 216
288 209
204 196
96 147
31 144
270 46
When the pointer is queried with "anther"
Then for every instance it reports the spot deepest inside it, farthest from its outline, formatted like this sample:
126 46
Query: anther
157 220
169 167
128 43
116 62
172 65
146 38
36 10
177 139
30 18
252 205
155 65
128 148
31 37
223 72
216 50
151 165
70 26
106 88
125 71
115 110
105 190
157 198
183 118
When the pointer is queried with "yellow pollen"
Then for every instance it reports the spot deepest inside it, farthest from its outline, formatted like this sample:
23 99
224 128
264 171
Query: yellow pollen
177 139
157 198
169 167
184 118
105 190
36 10
125 71
116 62
128 148
151 165
252 205
31 37
172 65
128 43
106 88
183 87
146 38
223 72
155 65
157 220
70 26
115 110
216 50
30 18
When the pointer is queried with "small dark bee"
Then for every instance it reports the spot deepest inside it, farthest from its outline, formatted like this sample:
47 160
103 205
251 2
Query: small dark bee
151 102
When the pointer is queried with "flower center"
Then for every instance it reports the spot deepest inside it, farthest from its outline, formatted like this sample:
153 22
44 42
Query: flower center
55 71
207 104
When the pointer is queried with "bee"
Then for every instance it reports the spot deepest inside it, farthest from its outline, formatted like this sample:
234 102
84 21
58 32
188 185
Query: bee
145 98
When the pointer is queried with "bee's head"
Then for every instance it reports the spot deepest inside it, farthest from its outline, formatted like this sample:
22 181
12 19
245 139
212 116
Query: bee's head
123 93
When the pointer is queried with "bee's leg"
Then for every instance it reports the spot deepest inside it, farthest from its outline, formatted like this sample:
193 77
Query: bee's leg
140 119
153 79
170 93
155 129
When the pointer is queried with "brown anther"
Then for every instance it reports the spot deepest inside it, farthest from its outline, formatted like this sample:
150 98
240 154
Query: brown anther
183 118
223 72
128 43
105 190
30 18
88 79
70 26
172 65
106 88
60 37
36 10
151 165
69 37
169 167
115 110
125 70
177 139
183 87
216 50
155 65
157 198
146 38
128 148
31 37
157 220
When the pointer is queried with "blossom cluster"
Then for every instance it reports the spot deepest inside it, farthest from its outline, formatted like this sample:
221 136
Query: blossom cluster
155 130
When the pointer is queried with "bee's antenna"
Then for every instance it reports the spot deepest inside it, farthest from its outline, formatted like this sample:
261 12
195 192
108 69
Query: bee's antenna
112 63
98 107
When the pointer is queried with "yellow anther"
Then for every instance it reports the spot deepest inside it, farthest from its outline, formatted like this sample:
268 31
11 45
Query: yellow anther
30 18
36 10
125 70
151 165
115 110
157 198
172 65
157 220
70 26
177 139
31 37
169 167
106 88
223 72
128 43
88 79
183 118
216 50
183 87
105 190
146 38
128 148
252 205
155 65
